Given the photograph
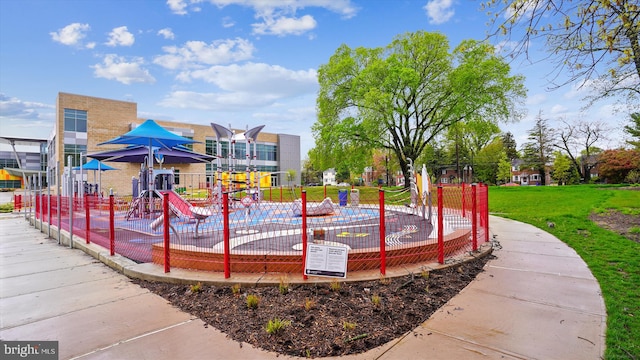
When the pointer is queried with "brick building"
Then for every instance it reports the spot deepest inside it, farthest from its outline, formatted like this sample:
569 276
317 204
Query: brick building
83 122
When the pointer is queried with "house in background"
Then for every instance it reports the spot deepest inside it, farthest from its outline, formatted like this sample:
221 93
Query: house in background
524 175
329 177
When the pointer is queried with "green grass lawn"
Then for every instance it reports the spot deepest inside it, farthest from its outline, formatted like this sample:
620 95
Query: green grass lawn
613 259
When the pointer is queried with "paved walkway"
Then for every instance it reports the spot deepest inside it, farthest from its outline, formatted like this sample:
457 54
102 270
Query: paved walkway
536 300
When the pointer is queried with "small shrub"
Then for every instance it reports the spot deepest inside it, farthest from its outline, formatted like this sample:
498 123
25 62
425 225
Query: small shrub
635 230
276 325
335 286
196 288
235 289
376 300
309 304
425 274
6 208
252 301
284 285
385 280
347 325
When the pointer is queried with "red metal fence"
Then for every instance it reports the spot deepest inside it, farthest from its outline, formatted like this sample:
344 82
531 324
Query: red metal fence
270 232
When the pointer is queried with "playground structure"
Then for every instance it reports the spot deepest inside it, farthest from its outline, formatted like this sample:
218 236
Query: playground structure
240 229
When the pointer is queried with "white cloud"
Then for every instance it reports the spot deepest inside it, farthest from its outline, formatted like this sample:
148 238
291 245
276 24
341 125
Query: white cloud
120 36
536 99
285 26
439 11
71 34
117 68
257 78
194 54
167 33
177 6
11 107
228 22
558 109
20 118
244 86
277 17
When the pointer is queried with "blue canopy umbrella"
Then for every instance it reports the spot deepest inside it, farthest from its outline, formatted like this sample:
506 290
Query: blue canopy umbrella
138 154
95 165
151 135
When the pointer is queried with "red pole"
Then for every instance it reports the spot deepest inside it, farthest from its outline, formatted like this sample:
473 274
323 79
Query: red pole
486 211
464 205
226 235
87 219
474 218
383 231
37 207
112 228
440 227
304 233
165 224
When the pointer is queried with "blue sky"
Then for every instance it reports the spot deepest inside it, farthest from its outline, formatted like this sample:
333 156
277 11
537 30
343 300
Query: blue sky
238 62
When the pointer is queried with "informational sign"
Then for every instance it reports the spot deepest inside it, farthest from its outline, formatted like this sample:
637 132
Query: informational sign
326 260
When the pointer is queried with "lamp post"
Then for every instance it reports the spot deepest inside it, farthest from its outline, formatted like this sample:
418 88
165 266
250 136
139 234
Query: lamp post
386 164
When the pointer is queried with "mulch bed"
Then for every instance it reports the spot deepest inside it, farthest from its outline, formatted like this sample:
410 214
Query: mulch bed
319 320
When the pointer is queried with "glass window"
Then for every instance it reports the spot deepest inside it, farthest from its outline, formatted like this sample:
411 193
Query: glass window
74 151
176 177
75 120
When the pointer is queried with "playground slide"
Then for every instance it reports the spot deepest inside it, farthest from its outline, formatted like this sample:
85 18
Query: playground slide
178 203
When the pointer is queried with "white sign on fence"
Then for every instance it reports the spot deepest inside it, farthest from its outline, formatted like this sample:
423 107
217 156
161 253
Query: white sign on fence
326 260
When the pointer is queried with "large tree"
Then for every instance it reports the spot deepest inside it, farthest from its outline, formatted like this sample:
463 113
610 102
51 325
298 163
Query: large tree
577 140
510 146
400 97
538 150
595 40
633 129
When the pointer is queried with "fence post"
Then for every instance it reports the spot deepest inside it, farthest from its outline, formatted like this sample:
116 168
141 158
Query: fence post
464 202
225 232
165 223
383 231
112 226
474 217
486 211
440 227
87 218
59 200
304 233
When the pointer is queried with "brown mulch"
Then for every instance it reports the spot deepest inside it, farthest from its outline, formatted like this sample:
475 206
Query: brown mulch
618 222
320 320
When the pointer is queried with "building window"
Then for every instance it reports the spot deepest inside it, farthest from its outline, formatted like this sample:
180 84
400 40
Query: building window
75 120
176 177
74 151
8 163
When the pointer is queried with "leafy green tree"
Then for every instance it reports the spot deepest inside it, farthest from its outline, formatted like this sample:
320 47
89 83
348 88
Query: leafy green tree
633 129
504 170
538 150
562 170
400 97
584 39
510 146
487 162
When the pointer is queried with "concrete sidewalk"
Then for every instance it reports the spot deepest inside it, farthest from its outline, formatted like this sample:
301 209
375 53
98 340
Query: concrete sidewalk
536 300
